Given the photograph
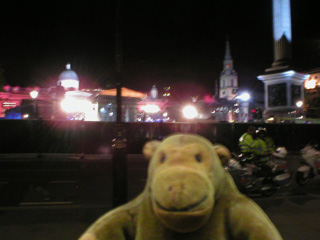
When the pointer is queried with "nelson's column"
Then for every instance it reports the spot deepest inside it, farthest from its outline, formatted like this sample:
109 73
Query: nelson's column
283 86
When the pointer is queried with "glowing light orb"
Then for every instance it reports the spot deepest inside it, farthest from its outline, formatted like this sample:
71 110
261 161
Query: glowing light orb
310 84
76 105
190 112
299 103
151 108
244 96
34 94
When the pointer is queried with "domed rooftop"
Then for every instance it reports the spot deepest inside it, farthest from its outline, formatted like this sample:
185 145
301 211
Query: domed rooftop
68 74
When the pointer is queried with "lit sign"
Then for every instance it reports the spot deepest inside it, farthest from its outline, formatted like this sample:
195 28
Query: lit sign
8 104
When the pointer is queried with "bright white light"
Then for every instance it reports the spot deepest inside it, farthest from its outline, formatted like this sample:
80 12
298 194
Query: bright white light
271 119
70 83
244 96
190 112
34 94
71 105
289 73
165 114
299 103
151 108
149 119
310 84
25 116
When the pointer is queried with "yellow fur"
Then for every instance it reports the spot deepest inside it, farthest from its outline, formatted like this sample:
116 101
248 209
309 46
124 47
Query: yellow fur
188 195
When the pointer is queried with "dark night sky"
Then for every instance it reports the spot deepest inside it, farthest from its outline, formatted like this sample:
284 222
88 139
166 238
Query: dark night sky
181 43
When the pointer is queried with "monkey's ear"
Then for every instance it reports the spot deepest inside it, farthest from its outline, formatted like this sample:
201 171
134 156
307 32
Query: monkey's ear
223 153
149 148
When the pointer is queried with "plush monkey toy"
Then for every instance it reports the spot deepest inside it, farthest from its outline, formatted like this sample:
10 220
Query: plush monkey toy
188 195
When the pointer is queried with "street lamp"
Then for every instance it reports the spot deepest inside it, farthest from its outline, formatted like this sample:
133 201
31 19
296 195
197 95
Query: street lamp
34 94
243 99
299 105
190 112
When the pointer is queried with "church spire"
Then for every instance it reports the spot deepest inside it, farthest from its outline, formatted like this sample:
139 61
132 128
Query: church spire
229 77
228 52
228 62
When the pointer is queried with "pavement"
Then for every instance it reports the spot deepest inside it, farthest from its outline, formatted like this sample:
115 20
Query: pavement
295 211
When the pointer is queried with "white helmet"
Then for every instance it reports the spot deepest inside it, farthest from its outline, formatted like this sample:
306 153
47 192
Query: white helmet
280 152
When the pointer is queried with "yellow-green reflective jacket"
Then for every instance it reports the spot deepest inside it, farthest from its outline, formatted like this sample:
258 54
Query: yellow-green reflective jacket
246 143
263 148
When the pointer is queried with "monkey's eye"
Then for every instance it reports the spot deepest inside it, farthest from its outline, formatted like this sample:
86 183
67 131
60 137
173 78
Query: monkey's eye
163 158
198 158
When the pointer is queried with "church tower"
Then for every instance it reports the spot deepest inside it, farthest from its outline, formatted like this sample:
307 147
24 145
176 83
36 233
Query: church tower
228 77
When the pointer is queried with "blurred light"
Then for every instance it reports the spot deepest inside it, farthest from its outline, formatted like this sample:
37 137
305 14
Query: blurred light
76 105
190 112
244 96
34 94
270 119
16 89
7 88
149 119
25 116
289 73
151 108
299 103
310 84
165 114
70 83
208 99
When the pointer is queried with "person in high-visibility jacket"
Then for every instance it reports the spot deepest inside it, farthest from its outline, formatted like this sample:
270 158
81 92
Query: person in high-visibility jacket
247 142
264 146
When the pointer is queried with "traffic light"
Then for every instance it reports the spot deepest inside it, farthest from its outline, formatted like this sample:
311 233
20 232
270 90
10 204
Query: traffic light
254 114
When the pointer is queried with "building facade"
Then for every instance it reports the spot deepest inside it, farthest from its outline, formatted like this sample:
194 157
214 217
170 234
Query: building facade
228 77
66 101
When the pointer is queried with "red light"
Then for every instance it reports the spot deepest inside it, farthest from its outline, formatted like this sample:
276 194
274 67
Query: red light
253 110
208 99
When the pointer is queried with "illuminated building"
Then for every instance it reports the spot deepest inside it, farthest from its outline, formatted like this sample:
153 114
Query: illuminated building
312 94
154 109
224 106
14 98
107 108
66 102
229 77
68 79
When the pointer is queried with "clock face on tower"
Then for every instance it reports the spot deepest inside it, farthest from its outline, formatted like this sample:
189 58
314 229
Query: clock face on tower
228 65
